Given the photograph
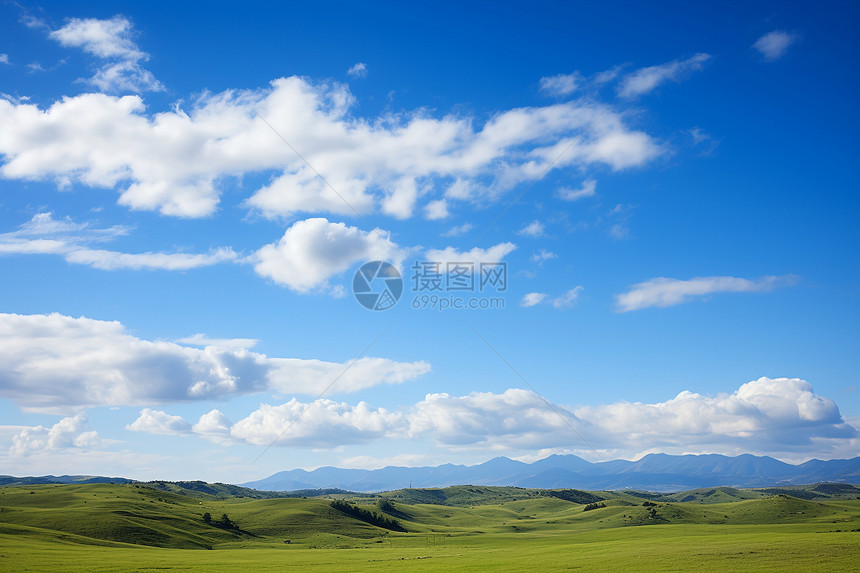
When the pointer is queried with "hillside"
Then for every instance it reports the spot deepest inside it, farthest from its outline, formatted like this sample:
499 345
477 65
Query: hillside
107 527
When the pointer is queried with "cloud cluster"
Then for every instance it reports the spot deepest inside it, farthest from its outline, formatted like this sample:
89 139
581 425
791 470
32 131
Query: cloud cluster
173 161
773 414
157 422
71 432
53 363
663 292
110 40
776 414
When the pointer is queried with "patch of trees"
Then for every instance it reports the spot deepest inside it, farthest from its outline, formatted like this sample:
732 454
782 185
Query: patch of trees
574 495
224 522
591 506
366 515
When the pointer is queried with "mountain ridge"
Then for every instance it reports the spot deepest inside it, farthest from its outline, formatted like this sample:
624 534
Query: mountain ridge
654 472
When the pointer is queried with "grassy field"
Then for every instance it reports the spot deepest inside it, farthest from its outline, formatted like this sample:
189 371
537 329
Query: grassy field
105 527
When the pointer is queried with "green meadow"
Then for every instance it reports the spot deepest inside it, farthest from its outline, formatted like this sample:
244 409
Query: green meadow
136 527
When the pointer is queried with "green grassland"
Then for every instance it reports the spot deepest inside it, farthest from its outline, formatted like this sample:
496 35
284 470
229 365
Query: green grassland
135 527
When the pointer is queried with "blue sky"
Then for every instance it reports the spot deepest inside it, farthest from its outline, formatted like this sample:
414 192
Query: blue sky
188 191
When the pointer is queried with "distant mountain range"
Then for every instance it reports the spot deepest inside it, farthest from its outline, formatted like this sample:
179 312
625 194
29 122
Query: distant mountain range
654 472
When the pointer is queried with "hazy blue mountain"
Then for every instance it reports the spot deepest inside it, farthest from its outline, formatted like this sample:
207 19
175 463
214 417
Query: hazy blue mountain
655 472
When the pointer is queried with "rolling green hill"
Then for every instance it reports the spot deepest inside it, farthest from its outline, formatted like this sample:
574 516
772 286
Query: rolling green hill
122 526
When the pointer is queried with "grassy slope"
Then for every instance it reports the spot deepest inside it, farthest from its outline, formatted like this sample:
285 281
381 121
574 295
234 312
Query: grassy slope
94 527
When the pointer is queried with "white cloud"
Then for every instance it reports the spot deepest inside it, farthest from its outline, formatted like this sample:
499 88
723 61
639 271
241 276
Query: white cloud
45 235
4 59
459 230
587 190
53 363
533 229
780 414
174 161
513 419
314 250
533 298
663 292
773 45
568 299
543 255
561 85
110 40
158 422
101 38
775 416
112 260
125 77
645 80
359 70
435 210
214 426
493 254
320 424
71 432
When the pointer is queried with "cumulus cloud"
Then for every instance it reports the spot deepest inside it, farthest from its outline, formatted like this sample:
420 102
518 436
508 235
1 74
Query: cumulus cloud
110 40
770 415
663 292
516 418
158 422
45 235
71 432
52 363
561 85
645 80
435 210
214 426
319 424
774 414
533 229
313 250
359 70
773 45
101 38
4 59
174 161
587 190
